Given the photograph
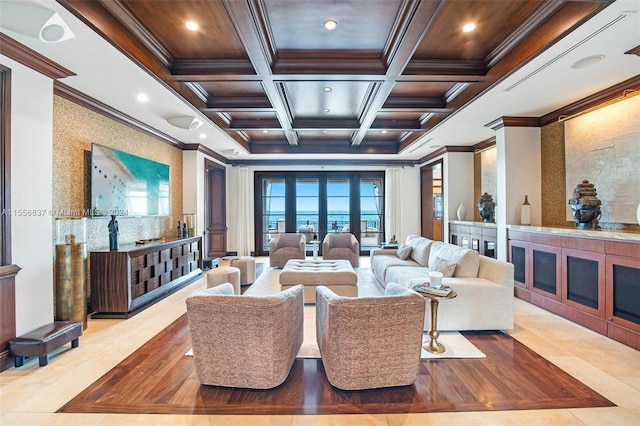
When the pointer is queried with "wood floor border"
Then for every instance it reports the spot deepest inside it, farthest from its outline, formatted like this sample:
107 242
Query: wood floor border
159 379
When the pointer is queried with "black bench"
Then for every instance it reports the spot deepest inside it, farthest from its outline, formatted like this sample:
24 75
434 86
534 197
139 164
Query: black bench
41 341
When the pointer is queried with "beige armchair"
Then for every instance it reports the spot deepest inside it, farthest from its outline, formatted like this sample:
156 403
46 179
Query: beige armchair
284 247
370 342
245 341
342 245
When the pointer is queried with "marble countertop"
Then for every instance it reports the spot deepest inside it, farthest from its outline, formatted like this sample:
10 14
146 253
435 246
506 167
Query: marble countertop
570 232
584 233
468 222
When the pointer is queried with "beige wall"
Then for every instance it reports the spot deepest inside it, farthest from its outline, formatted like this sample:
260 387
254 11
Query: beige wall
75 128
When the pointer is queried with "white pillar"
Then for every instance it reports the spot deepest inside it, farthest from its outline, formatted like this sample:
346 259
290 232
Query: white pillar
518 171
193 187
457 185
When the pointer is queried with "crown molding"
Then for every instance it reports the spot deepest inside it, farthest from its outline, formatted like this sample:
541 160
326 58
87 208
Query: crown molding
205 150
501 122
592 101
32 59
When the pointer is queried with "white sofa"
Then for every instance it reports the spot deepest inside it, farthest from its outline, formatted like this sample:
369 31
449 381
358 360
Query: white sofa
484 285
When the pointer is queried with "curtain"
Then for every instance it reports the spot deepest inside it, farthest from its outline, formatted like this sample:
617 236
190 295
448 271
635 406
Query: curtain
393 201
244 209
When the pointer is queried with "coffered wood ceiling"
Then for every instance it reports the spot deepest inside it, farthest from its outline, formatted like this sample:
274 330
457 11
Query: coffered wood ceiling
396 68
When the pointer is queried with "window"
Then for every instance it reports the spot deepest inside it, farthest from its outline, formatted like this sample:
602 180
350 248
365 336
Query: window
317 203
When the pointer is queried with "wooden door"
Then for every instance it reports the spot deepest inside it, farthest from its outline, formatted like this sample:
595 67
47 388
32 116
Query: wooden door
215 210
431 196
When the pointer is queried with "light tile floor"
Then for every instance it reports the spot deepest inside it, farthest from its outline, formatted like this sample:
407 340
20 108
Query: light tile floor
30 395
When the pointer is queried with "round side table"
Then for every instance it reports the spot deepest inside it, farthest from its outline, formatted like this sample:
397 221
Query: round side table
434 346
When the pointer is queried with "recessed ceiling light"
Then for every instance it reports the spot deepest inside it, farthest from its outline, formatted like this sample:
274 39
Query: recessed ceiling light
326 110
330 25
265 131
327 89
141 97
192 26
384 132
469 27
203 136
588 61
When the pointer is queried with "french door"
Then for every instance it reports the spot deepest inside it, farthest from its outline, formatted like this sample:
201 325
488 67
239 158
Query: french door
316 203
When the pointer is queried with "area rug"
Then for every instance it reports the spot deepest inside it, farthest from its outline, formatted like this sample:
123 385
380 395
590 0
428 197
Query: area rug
159 379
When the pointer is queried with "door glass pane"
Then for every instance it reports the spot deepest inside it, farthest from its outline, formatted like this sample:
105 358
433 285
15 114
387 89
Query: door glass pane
273 198
338 208
371 213
307 207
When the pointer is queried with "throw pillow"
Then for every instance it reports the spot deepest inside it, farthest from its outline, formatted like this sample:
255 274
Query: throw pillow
404 251
447 268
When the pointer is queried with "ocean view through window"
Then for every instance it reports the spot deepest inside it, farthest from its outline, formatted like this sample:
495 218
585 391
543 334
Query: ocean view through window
316 203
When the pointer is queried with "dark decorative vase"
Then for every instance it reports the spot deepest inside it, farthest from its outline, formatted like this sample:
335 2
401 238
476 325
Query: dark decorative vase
113 233
585 206
487 207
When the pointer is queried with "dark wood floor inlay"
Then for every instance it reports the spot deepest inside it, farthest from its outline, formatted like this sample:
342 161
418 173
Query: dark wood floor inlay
158 378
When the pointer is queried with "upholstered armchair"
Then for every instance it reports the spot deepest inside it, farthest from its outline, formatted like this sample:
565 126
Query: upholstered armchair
342 245
284 247
370 342
245 341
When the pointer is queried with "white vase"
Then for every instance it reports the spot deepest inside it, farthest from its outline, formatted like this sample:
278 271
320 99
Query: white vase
461 212
525 212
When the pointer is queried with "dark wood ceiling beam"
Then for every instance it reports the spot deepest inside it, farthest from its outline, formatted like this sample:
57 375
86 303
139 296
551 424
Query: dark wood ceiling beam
456 70
325 124
250 22
228 103
402 125
128 19
533 21
329 65
412 24
321 146
213 69
424 104
246 124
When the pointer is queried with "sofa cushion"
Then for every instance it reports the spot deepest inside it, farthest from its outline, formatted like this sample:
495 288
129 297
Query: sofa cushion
404 251
440 265
467 261
420 248
407 276
384 263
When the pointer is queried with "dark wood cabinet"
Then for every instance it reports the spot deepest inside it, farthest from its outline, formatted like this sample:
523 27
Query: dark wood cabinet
125 281
481 237
592 281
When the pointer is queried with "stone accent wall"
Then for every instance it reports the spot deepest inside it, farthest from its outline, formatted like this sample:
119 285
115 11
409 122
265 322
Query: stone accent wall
75 128
553 176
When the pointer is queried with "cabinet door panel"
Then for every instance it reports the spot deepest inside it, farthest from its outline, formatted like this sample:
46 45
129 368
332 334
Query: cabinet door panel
623 291
546 270
583 281
519 255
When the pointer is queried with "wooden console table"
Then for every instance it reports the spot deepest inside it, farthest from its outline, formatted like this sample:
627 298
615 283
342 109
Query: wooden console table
589 277
125 281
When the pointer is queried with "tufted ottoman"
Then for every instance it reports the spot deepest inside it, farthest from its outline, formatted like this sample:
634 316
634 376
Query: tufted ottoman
224 274
338 275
